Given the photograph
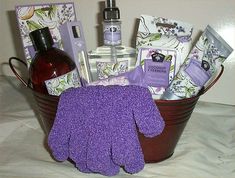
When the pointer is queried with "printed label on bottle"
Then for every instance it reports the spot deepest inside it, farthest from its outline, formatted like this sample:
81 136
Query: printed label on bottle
157 73
57 85
106 69
112 34
197 72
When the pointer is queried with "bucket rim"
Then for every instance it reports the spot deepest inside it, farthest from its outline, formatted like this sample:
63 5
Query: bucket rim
178 100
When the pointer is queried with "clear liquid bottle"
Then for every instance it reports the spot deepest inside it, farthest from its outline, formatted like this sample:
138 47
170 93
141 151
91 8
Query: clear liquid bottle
51 71
112 58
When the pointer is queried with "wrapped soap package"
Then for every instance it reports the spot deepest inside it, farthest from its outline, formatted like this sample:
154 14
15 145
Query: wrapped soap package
132 77
200 66
162 46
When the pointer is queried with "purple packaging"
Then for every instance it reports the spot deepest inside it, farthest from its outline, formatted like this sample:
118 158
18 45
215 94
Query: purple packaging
159 68
73 41
157 73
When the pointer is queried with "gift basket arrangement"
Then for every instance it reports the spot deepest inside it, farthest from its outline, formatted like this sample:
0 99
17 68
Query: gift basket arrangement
115 106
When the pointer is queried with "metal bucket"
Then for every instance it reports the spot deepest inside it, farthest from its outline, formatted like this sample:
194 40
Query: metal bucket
175 113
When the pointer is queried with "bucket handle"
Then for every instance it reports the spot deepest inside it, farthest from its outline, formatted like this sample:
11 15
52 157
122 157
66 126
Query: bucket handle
27 84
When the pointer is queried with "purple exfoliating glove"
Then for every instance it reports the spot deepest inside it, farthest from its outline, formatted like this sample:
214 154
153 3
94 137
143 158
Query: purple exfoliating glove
68 136
96 127
96 109
134 107
84 133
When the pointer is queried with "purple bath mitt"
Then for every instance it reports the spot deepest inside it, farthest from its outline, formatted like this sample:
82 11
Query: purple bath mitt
95 126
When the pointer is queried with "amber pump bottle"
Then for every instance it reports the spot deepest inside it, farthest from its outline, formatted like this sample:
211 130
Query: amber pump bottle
51 71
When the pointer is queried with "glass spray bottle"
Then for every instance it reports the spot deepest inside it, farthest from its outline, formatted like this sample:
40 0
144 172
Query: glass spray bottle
112 58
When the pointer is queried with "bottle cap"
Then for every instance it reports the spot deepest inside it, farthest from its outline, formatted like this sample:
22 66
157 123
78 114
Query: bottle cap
111 12
41 39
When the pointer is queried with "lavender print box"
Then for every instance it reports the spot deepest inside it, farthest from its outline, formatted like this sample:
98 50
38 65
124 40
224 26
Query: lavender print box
165 33
32 17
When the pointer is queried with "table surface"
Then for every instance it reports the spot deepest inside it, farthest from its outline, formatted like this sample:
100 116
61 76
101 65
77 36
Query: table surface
205 149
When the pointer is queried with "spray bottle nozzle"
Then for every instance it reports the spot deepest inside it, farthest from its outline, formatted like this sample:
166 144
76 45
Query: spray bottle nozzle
111 3
111 12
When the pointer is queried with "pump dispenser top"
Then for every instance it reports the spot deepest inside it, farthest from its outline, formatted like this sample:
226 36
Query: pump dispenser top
111 12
